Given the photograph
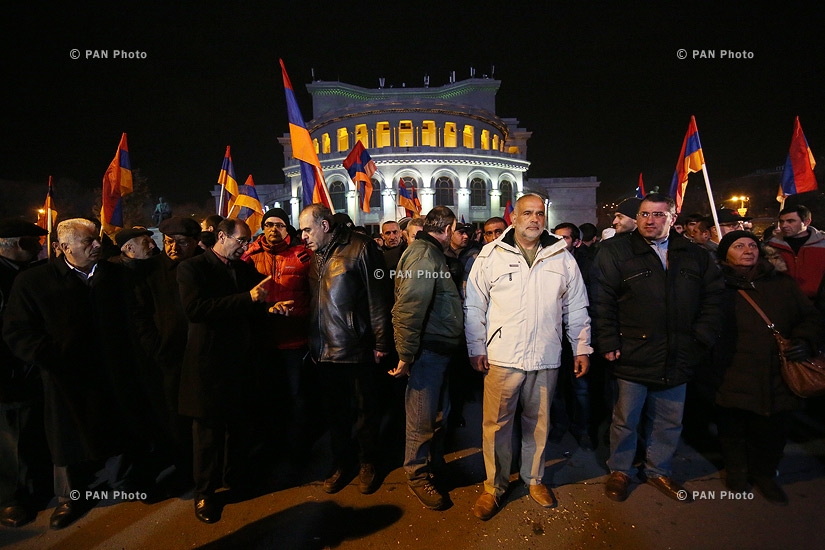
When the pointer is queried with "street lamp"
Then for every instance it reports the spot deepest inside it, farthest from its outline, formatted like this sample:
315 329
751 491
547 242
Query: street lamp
742 208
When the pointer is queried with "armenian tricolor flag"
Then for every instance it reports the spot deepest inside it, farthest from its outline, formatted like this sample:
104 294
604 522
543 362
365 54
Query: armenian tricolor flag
247 206
798 175
312 177
690 160
117 183
408 199
361 168
508 213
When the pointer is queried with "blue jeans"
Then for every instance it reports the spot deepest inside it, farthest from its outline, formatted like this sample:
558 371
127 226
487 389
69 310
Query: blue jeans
426 396
663 425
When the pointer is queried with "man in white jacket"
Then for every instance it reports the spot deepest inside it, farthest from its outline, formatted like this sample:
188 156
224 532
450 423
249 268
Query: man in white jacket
523 291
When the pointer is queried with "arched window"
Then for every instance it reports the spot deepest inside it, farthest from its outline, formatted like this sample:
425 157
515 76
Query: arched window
478 192
444 191
506 189
375 198
338 194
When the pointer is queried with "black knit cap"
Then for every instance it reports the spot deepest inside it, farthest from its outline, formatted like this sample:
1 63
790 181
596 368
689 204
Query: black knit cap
729 239
275 212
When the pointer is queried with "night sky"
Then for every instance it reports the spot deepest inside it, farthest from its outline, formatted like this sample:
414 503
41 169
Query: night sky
600 85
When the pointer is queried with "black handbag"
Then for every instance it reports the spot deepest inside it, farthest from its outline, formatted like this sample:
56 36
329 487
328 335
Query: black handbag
805 378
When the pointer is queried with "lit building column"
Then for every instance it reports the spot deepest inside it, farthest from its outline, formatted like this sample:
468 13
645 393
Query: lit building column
295 207
352 204
388 209
463 204
495 202
425 195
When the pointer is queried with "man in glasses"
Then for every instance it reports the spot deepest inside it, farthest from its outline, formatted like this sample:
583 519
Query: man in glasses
656 304
729 220
279 253
224 300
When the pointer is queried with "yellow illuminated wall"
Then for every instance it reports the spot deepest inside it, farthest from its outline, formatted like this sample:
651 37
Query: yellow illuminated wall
382 134
343 140
469 136
449 134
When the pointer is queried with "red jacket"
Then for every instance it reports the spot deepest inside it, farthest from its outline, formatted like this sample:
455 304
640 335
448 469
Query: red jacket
808 266
288 266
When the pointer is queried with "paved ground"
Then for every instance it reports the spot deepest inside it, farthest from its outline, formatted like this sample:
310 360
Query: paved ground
302 516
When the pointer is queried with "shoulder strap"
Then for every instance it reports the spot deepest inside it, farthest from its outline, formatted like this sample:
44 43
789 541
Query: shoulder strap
757 308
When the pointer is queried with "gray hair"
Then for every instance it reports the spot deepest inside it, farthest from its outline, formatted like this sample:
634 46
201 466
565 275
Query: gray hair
67 230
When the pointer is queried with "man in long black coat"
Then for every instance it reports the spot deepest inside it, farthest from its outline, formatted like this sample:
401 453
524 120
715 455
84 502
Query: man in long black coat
69 318
222 298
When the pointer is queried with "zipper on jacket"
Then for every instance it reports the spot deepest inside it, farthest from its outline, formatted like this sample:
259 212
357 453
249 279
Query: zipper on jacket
498 331
645 273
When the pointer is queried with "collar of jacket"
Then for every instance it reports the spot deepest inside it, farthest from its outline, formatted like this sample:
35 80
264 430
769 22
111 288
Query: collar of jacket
550 244
675 241
426 237
341 236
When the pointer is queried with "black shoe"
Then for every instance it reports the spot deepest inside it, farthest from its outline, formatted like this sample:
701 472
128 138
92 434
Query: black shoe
16 516
207 509
670 488
616 486
771 490
335 482
66 513
368 482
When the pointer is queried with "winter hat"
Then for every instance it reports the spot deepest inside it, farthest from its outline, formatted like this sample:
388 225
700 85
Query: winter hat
729 239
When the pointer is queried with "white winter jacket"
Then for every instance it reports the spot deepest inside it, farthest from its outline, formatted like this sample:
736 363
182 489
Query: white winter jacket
515 314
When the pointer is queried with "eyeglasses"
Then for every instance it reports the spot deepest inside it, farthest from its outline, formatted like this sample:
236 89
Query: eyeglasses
243 242
654 214
270 225
495 232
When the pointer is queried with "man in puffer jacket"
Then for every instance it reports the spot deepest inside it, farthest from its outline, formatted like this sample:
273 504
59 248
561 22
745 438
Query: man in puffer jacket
523 290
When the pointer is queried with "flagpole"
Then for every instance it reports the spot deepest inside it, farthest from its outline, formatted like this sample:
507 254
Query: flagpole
220 202
712 204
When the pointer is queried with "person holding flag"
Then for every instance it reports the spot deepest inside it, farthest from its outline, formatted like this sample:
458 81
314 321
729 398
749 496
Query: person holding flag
117 183
361 168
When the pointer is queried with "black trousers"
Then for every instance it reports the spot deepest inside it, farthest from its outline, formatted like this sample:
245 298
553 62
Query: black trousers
349 392
25 463
752 442
224 450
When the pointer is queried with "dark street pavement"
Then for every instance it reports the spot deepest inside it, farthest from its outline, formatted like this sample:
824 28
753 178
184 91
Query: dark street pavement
302 516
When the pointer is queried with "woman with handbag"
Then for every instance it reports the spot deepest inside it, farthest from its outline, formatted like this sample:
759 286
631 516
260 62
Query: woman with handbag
753 401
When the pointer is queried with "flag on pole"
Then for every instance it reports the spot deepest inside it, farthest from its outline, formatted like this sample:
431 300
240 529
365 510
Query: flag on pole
47 219
798 175
312 177
247 206
508 213
462 219
690 160
640 190
361 168
117 183
226 177
408 199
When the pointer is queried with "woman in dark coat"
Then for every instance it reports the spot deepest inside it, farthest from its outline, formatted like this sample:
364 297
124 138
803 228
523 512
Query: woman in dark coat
753 401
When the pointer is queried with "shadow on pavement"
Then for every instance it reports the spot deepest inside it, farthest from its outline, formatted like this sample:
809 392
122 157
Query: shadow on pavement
309 526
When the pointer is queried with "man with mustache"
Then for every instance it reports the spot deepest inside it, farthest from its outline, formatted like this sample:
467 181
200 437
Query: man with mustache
521 289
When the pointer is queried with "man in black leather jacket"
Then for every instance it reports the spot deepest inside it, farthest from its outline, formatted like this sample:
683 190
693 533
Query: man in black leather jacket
349 332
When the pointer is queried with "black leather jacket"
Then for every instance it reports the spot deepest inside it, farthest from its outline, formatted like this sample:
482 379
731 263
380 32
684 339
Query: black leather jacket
663 322
350 300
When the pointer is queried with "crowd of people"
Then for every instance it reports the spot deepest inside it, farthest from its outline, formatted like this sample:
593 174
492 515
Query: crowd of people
198 365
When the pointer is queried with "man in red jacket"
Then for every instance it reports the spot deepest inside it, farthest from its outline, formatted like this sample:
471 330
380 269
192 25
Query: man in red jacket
802 247
284 257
